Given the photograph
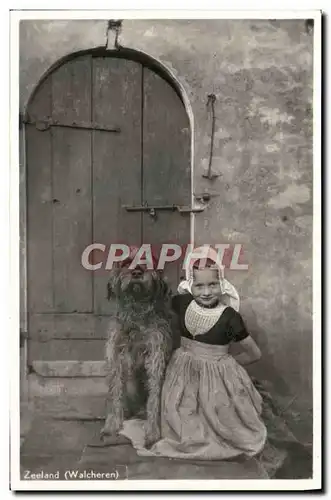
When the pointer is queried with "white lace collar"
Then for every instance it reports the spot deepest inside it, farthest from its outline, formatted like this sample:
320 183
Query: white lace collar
199 320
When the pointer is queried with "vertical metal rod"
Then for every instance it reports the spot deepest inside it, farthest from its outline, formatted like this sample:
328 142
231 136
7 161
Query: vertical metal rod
211 101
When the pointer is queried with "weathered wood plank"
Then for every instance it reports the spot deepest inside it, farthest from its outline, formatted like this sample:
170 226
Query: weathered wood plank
71 91
44 327
39 206
69 368
72 216
60 350
116 160
166 166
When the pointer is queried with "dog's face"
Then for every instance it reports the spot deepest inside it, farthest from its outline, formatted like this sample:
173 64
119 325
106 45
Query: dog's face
136 284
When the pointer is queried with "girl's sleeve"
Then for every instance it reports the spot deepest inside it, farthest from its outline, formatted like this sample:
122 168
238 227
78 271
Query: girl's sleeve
237 329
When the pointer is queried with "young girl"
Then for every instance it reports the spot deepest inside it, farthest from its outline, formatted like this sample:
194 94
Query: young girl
210 407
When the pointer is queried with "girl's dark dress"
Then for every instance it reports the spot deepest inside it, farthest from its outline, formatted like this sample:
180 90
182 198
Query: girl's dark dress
229 327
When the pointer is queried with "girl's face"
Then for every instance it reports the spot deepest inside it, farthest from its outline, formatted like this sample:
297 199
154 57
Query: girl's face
206 288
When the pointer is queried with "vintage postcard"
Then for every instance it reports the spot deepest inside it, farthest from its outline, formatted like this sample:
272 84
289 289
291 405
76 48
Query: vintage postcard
167 170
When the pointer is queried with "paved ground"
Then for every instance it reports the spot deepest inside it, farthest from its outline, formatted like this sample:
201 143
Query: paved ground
55 442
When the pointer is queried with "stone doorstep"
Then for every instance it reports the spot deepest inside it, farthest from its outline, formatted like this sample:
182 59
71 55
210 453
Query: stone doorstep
48 463
70 369
83 399
75 442
65 386
125 460
27 412
65 408
68 405
54 445
71 407
58 436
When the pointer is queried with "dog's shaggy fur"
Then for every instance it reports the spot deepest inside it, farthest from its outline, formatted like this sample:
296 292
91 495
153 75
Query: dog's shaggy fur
138 348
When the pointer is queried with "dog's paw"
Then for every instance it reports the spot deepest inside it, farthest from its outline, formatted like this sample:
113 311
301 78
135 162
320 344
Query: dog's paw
152 435
105 431
109 429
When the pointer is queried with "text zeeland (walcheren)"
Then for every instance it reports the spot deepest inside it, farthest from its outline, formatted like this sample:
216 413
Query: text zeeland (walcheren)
76 474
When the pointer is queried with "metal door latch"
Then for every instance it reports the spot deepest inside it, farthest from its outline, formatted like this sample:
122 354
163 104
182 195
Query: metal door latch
153 209
46 124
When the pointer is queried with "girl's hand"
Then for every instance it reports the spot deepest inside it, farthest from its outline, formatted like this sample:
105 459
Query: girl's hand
251 352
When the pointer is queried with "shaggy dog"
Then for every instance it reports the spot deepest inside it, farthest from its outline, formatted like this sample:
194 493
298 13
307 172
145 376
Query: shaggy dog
138 348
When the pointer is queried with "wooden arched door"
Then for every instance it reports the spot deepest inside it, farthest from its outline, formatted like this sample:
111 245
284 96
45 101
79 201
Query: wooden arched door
102 132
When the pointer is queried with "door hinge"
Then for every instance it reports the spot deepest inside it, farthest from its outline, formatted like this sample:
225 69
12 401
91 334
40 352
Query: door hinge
46 124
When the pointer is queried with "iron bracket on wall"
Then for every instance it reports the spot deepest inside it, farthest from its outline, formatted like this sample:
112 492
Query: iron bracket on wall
116 26
43 125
